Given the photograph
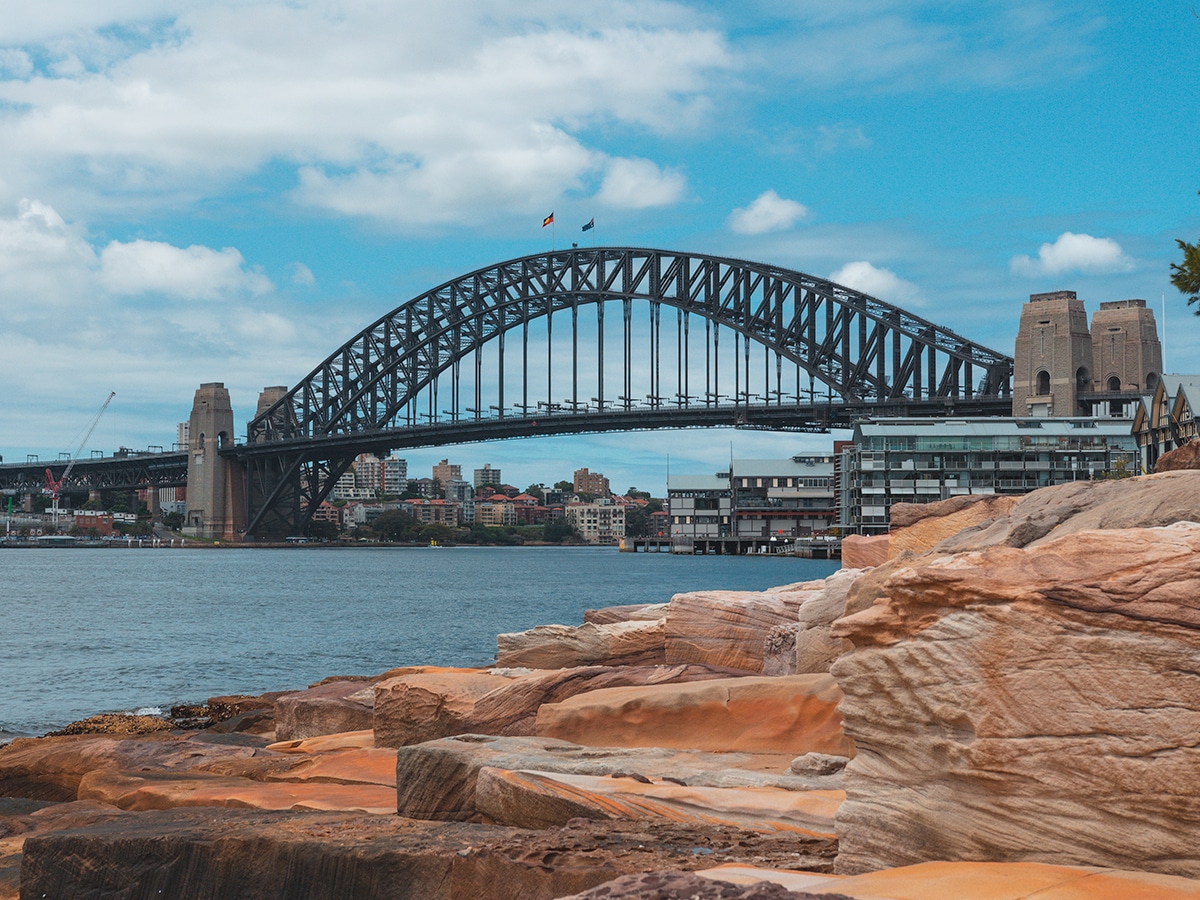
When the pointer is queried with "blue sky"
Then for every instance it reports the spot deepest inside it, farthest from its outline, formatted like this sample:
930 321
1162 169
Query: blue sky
227 191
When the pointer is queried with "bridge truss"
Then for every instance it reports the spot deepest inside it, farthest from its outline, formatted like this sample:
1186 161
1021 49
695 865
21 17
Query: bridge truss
700 340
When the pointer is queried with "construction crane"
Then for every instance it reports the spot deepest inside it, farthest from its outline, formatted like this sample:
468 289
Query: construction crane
55 486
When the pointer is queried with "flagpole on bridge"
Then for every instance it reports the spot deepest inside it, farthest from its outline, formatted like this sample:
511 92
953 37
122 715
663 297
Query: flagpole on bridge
549 220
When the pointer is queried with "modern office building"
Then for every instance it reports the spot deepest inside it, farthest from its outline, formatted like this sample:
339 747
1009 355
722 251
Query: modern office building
923 460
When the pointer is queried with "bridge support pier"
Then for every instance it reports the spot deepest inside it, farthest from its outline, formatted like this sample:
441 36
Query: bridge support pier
215 487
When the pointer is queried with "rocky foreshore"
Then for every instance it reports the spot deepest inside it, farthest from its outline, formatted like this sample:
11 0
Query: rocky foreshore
999 699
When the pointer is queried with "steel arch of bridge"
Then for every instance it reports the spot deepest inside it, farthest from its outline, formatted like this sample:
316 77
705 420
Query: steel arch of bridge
871 358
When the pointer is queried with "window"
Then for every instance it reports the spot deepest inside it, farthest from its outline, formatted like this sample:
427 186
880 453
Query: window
1043 383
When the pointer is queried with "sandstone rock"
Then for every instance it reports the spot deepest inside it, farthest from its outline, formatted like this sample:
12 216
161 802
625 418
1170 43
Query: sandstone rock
1185 457
634 612
171 790
689 885
1006 881
419 708
328 708
729 628
532 799
512 708
862 551
50 768
1038 704
245 855
438 779
916 527
1146 502
346 740
415 708
779 650
816 647
22 819
622 643
794 715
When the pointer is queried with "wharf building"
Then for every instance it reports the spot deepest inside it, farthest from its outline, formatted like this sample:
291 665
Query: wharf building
756 498
924 460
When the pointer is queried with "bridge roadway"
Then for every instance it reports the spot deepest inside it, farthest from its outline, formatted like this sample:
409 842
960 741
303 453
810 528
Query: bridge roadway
815 418
135 470
123 471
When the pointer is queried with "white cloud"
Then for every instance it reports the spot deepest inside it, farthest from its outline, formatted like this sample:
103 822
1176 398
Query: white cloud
899 46
194 273
302 275
769 212
400 112
639 184
1074 253
884 284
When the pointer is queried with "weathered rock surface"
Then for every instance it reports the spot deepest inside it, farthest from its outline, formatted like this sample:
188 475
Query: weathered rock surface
51 768
22 819
1005 881
1037 703
634 612
688 886
916 527
438 779
1149 501
816 647
796 714
731 628
861 551
413 709
327 708
1185 457
531 799
238 855
622 643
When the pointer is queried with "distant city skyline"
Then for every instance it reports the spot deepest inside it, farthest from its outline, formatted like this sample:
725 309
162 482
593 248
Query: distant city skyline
207 191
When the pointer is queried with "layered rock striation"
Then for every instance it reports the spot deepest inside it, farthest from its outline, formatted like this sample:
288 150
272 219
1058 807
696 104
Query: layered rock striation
1029 688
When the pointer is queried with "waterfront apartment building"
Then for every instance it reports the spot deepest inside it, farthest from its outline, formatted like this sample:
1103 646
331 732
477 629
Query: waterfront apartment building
924 460
445 472
394 477
591 483
597 523
487 475
433 512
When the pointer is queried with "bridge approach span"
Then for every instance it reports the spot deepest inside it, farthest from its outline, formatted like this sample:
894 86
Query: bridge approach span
605 339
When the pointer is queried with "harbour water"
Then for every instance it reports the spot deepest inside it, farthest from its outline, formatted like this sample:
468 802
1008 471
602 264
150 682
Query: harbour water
107 630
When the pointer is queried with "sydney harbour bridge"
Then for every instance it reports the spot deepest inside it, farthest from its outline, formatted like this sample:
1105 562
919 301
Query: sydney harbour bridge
571 342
